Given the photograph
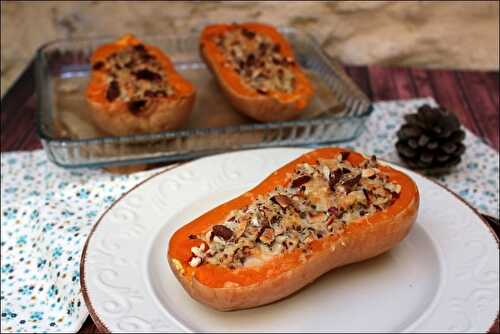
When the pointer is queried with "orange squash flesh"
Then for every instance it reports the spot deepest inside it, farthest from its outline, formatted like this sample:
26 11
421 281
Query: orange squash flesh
178 105
213 276
299 98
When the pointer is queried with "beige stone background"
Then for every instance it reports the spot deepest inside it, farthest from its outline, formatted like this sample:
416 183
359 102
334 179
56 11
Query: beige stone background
432 34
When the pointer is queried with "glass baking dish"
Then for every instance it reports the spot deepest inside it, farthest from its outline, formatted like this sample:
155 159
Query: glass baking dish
337 111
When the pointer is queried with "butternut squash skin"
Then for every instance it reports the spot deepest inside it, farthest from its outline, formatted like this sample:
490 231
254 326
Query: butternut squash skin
167 113
247 287
275 106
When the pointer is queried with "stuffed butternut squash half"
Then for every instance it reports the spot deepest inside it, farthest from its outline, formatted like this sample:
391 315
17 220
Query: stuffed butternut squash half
256 70
326 209
134 88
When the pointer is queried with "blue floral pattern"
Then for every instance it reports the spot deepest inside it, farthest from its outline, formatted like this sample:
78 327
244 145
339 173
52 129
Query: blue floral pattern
47 213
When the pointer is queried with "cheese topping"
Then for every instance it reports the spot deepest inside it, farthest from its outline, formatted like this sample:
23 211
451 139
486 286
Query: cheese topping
257 60
318 201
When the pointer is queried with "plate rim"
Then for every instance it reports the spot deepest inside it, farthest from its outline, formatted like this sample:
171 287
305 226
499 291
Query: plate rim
103 328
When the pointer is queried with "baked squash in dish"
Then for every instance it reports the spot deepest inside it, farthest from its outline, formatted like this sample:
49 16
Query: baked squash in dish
134 88
256 69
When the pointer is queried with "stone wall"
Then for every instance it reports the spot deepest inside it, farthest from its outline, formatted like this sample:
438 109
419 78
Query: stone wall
441 34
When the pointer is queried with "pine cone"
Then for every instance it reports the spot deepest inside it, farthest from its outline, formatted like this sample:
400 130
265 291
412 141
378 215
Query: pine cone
431 140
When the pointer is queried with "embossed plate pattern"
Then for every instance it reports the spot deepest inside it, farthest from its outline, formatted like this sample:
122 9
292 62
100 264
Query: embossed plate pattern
442 277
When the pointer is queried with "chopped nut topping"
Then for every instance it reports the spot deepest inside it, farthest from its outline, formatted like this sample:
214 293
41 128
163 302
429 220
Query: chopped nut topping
146 74
367 172
350 183
135 76
258 60
222 231
136 105
293 216
218 240
247 33
267 236
335 178
113 91
196 251
300 181
195 261
395 188
283 201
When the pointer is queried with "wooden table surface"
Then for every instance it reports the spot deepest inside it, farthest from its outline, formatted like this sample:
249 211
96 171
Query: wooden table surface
472 95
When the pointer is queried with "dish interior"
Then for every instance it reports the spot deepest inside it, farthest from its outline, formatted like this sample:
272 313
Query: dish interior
336 112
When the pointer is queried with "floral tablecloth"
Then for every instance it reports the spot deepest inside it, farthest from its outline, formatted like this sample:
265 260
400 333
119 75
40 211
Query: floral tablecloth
47 213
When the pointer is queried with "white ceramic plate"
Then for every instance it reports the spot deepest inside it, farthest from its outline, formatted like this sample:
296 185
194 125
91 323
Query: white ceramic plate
443 277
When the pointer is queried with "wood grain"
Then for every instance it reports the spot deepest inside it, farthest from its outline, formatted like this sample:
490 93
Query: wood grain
481 103
473 96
